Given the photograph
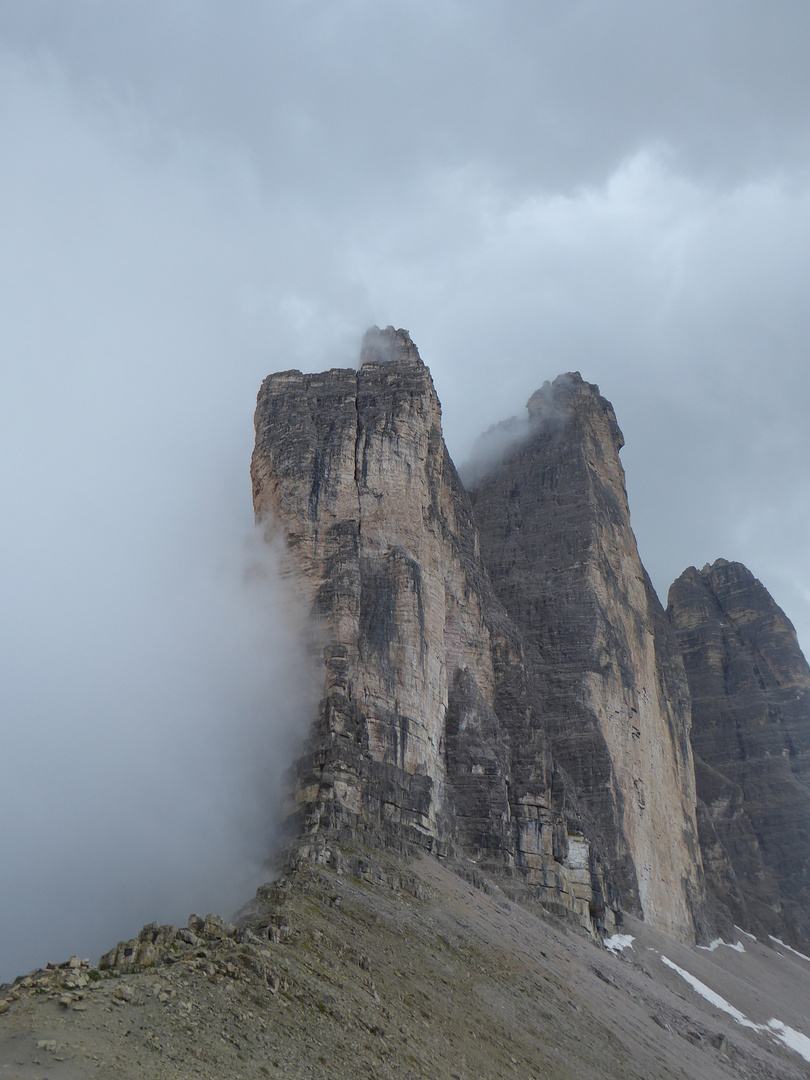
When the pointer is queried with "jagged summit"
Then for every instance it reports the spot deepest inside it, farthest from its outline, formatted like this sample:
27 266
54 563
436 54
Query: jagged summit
387 346
708 567
556 539
568 397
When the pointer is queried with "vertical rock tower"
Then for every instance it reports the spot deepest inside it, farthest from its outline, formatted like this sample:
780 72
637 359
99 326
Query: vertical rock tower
556 539
750 688
441 702
351 467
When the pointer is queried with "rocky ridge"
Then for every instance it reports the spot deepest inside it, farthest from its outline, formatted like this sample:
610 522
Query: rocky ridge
386 966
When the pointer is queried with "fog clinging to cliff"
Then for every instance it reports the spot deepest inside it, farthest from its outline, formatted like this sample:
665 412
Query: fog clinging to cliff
195 195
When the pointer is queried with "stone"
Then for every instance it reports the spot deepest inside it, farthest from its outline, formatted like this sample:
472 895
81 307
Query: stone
750 687
609 684
152 944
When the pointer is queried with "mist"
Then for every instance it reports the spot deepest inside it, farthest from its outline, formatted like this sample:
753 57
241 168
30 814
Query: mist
193 196
146 737
492 448
154 683
155 688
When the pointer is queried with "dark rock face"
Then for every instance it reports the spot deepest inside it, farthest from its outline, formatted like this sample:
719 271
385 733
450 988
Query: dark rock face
750 688
611 690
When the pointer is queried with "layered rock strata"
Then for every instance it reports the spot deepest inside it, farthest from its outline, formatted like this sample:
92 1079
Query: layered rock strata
750 687
426 732
556 539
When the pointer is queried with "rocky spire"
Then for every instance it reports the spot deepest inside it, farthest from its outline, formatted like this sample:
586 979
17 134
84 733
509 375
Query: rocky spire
557 542
750 689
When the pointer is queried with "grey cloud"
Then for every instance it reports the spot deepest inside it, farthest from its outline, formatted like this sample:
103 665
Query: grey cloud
492 448
544 94
195 195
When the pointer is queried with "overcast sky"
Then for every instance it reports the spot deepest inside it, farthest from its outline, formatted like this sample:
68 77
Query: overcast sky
193 194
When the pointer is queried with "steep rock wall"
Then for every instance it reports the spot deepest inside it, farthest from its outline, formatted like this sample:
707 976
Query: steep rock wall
426 732
557 542
750 689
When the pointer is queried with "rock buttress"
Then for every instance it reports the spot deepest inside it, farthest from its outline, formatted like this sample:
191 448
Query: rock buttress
750 687
556 539
426 704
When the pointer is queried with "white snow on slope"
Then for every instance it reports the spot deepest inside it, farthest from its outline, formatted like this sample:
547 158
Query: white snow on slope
737 946
618 942
711 996
740 930
792 1038
789 948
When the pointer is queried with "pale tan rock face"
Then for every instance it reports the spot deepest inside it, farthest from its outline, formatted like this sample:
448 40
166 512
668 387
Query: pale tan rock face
645 721
351 467
556 538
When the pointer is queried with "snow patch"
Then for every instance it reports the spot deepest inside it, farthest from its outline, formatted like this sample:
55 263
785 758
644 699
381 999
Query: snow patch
791 1038
741 931
709 994
789 948
619 942
737 946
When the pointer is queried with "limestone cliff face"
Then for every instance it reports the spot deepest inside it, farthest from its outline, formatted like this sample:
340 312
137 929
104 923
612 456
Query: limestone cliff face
351 466
556 539
514 696
750 689
426 732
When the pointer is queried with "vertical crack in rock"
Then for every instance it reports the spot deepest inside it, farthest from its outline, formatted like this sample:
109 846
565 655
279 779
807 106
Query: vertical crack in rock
750 688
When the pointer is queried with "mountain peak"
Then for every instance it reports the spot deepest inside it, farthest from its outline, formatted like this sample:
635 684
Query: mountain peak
388 346
570 398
